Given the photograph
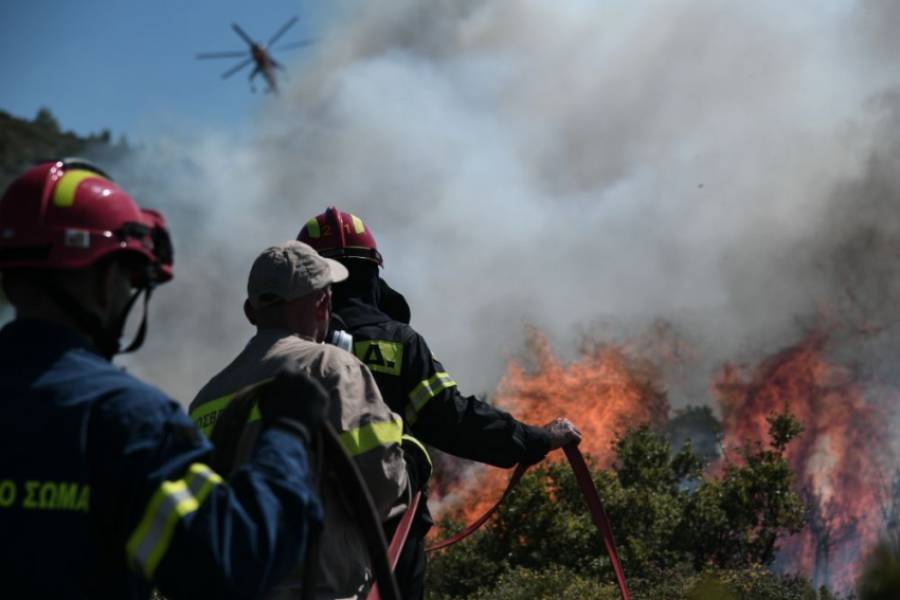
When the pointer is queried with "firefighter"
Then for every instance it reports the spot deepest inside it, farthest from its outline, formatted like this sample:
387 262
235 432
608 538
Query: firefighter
289 302
105 490
414 383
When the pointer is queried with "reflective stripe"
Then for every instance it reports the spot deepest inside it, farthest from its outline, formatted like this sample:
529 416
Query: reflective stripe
358 225
206 415
381 356
356 441
255 414
64 194
372 435
312 228
173 500
425 391
421 447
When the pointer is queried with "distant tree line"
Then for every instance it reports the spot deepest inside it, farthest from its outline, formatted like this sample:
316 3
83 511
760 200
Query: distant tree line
24 142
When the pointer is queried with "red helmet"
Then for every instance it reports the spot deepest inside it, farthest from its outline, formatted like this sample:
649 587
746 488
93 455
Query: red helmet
337 234
69 214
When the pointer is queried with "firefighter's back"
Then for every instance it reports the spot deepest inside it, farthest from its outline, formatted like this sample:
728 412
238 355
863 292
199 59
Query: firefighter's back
50 393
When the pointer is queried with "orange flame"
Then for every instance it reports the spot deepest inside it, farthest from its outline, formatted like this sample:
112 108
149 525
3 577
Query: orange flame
603 393
835 459
612 388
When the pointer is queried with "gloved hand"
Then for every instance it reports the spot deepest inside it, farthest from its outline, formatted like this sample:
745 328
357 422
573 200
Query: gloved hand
562 432
294 401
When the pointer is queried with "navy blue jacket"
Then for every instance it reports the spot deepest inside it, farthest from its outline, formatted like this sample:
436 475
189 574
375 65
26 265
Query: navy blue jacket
104 486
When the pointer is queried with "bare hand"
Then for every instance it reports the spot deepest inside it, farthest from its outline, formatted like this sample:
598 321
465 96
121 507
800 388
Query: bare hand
562 433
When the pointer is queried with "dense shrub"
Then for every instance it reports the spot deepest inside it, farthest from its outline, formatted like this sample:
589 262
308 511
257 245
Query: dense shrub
680 533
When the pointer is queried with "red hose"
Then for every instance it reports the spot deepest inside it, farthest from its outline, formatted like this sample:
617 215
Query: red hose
591 498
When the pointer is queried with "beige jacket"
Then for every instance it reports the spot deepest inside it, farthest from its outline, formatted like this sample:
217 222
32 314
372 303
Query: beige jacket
370 431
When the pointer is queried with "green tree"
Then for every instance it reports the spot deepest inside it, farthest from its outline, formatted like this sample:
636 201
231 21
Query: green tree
737 519
680 533
46 121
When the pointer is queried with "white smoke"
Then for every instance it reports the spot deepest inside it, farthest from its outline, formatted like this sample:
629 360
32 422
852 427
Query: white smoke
561 164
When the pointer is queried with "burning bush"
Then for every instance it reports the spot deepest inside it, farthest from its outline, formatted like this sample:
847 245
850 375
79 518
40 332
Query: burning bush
679 532
840 463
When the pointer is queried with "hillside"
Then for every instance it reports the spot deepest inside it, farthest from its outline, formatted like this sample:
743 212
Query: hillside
23 142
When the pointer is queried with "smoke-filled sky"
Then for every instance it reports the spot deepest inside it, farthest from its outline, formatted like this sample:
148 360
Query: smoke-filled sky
582 166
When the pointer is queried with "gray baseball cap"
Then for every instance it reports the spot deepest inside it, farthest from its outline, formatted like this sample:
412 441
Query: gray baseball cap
289 271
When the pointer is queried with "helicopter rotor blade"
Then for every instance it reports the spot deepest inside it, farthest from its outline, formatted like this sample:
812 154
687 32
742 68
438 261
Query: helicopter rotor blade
243 34
230 54
237 67
290 23
293 45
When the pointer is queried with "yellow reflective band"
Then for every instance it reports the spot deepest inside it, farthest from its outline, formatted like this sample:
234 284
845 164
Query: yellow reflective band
206 415
421 447
64 194
201 481
149 542
381 356
312 228
368 437
358 225
425 391
255 414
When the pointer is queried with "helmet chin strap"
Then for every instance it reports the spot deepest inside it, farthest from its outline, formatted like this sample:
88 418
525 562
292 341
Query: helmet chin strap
138 339
105 338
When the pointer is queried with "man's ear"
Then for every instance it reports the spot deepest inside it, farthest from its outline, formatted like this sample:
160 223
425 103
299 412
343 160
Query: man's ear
249 312
323 306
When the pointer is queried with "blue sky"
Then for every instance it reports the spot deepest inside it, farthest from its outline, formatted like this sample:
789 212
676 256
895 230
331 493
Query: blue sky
129 66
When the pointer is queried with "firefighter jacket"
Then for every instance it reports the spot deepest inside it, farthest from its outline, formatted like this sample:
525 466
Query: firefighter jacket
415 384
104 486
370 432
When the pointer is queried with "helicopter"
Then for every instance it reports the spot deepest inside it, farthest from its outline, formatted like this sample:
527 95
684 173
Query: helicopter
260 58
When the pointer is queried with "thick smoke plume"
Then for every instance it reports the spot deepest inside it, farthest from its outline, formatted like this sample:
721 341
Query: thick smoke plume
571 165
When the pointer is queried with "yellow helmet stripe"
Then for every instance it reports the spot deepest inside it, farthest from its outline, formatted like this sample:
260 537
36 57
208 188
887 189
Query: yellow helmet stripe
358 225
312 228
64 194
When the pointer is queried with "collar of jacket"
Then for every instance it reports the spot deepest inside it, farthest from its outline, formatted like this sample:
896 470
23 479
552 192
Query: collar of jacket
34 339
271 334
356 313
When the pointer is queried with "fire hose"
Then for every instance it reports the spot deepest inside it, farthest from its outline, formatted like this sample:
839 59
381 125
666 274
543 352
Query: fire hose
384 560
383 563
588 490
